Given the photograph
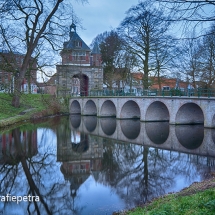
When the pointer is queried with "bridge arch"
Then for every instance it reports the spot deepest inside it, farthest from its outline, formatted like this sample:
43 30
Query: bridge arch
90 108
130 110
108 109
189 113
157 111
176 110
75 107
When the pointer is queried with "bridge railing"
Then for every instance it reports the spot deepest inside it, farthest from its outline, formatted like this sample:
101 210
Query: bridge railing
173 92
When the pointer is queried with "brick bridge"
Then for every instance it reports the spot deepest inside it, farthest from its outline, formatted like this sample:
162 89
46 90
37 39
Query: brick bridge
175 110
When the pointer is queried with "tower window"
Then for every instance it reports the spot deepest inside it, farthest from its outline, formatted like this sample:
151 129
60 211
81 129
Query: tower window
78 53
78 43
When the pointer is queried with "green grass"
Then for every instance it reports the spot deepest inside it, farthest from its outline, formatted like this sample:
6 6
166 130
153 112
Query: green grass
201 203
31 106
26 102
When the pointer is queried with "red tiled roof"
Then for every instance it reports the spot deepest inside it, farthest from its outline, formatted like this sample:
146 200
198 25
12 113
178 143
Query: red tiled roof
171 82
137 76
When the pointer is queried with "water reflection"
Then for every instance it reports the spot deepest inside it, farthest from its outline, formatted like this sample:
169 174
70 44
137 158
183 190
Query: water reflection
108 125
82 145
95 174
10 149
213 135
90 123
24 149
130 128
75 120
191 137
157 132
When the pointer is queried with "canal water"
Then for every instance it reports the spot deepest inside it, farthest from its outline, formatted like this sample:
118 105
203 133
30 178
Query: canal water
95 166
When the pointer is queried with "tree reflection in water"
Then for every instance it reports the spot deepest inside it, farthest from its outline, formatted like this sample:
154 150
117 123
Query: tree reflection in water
29 168
134 173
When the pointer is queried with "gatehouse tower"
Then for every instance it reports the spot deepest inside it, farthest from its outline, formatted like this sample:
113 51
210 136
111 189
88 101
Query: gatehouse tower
80 70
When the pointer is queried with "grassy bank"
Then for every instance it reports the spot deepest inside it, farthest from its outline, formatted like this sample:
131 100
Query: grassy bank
198 199
32 106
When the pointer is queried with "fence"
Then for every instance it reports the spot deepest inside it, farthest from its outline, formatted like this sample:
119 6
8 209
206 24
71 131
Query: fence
174 92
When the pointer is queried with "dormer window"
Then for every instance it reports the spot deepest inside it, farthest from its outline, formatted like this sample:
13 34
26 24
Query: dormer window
78 43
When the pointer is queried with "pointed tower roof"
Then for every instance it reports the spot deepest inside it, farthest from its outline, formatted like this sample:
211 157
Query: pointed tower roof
96 49
75 42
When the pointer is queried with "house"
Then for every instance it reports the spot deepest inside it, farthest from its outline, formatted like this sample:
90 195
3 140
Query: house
167 84
48 87
10 64
161 83
134 84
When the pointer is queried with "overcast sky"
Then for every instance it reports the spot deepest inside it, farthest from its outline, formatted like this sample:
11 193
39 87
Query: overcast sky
98 16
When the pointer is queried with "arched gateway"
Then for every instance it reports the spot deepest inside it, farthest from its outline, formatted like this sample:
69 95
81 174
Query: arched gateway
81 69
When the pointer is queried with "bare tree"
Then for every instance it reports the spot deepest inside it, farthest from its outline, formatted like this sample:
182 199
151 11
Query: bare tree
28 27
112 59
189 10
99 38
198 60
190 61
166 54
207 58
144 29
188 15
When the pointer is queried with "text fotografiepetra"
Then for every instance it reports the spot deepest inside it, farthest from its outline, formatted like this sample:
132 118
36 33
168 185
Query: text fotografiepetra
18 199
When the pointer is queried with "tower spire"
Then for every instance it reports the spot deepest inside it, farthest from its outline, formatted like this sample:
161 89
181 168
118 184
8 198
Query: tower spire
73 26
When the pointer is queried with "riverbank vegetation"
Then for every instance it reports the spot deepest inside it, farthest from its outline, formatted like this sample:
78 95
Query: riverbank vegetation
32 106
198 199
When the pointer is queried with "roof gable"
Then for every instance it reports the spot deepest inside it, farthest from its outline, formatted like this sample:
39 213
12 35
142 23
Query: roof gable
75 43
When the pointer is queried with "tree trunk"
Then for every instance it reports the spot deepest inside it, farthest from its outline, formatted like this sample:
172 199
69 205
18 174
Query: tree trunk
29 82
17 92
145 80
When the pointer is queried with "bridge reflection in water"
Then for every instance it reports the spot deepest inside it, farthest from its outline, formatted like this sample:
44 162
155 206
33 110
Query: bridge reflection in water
194 139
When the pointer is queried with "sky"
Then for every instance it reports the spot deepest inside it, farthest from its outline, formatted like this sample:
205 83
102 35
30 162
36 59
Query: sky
98 16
